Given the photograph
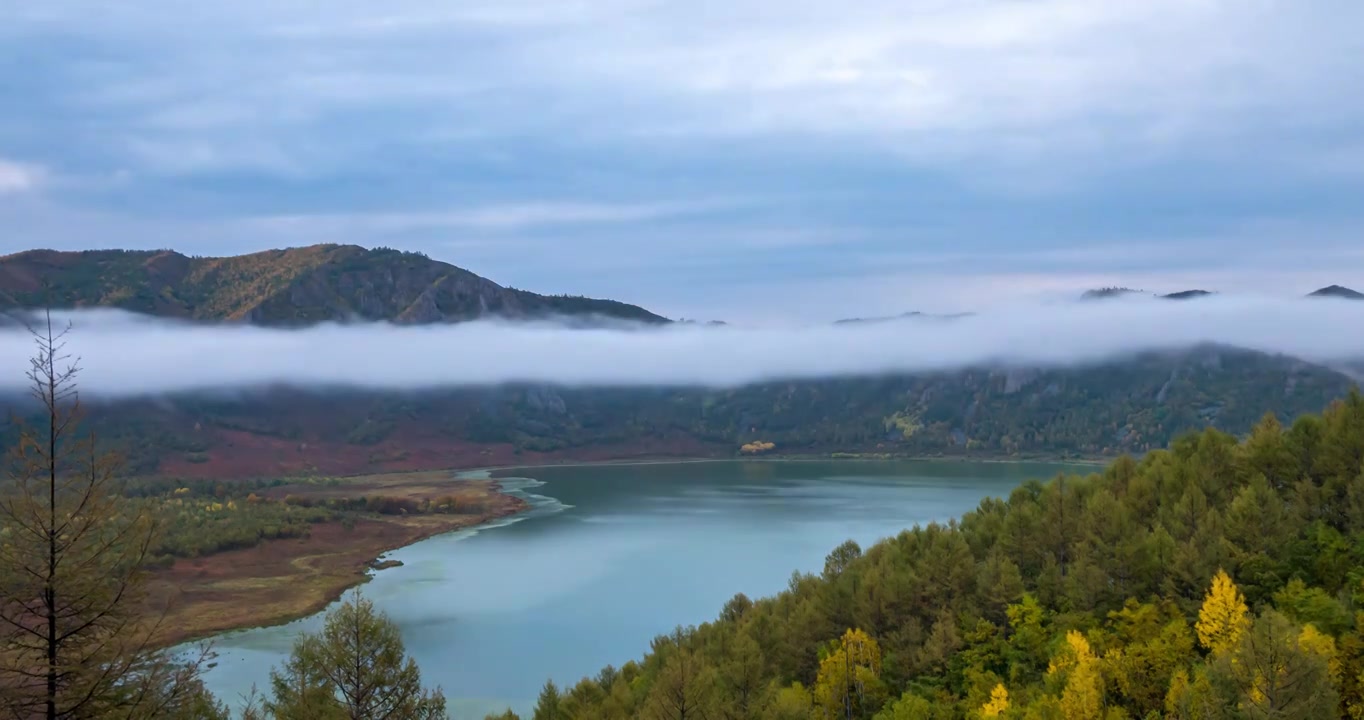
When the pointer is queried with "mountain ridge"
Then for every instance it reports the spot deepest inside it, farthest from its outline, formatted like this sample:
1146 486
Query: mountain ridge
1337 291
1186 295
288 287
301 286
912 315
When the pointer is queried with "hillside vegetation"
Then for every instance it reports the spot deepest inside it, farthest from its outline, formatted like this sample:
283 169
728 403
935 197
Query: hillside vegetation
1133 406
295 286
1215 579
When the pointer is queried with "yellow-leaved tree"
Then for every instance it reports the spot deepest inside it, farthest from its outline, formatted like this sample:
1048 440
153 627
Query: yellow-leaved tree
1224 616
1082 698
1319 643
849 680
1192 698
998 703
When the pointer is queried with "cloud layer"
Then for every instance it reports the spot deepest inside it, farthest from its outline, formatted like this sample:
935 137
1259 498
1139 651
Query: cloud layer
16 177
134 355
980 72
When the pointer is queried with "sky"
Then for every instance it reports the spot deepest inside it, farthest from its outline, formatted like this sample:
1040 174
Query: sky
123 354
745 160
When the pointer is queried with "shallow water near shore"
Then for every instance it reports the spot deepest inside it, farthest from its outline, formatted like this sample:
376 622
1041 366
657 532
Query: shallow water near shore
610 556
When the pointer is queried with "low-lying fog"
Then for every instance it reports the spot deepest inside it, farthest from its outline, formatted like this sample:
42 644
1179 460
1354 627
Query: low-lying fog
126 354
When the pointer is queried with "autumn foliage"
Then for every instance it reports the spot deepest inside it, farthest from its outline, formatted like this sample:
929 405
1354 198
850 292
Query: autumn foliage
757 447
1224 617
1216 580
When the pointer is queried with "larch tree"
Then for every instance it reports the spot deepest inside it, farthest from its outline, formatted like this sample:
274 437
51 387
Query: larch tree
790 703
685 687
547 705
1082 695
77 623
914 707
998 703
1193 698
1224 617
849 682
1276 672
740 679
355 668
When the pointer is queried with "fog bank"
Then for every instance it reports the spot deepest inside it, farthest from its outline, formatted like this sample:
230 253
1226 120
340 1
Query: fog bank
124 354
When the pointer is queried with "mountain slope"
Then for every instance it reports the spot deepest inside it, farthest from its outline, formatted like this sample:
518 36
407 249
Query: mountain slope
1109 292
914 315
1186 295
1337 291
295 286
1011 595
1130 406
1117 292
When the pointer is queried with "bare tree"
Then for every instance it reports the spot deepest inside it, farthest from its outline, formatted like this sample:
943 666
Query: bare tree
74 608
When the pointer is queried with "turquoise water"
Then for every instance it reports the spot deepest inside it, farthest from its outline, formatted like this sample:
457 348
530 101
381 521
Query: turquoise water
611 556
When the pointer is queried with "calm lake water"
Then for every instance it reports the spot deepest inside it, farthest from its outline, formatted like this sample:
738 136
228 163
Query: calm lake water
612 556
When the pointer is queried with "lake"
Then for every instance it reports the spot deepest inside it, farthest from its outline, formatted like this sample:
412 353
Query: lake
612 555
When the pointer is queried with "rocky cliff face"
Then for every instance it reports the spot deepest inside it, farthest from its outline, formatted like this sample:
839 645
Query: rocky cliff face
297 286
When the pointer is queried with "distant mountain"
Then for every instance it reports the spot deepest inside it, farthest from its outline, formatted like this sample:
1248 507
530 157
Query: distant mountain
1109 292
1089 295
915 315
1115 292
1337 291
1352 368
1186 295
291 287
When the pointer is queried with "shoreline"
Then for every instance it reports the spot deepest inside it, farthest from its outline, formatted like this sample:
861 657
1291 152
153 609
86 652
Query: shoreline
365 557
309 584
470 473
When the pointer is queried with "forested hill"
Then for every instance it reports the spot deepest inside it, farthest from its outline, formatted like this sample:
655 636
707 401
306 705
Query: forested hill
1215 580
1135 405
295 286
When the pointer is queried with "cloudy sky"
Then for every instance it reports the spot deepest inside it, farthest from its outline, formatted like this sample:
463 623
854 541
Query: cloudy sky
744 159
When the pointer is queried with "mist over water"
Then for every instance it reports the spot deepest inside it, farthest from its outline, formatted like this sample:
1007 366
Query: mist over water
126 354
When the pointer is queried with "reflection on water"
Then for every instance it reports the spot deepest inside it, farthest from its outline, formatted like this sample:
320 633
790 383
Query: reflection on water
611 556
